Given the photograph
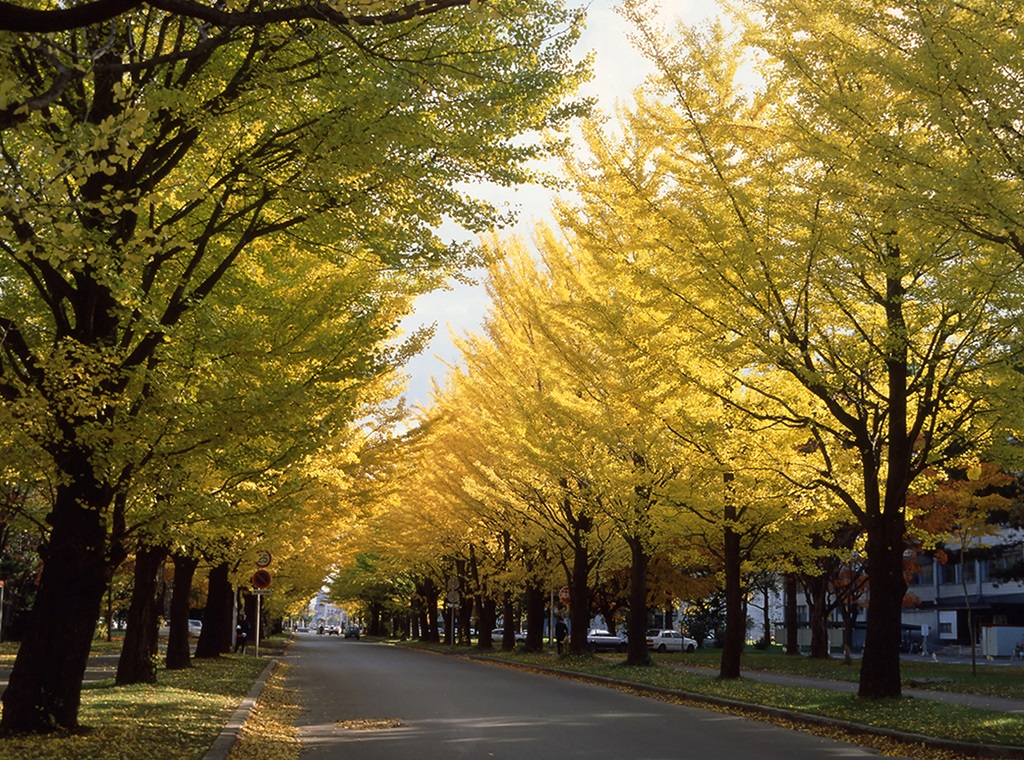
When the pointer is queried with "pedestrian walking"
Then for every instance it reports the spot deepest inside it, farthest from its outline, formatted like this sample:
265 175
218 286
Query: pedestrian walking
561 635
241 633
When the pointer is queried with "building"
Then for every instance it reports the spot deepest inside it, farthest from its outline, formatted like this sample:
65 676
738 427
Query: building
987 579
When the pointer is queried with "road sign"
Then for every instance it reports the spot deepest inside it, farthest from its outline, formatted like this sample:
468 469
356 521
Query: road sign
563 595
262 558
261 591
260 579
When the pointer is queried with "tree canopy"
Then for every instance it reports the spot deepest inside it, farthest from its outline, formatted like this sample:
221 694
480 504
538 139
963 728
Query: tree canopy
178 180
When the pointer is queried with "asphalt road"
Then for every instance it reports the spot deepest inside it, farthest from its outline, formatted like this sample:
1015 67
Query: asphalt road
367 701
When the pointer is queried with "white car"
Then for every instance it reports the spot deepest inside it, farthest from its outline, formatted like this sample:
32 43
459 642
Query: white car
499 633
195 627
669 641
605 641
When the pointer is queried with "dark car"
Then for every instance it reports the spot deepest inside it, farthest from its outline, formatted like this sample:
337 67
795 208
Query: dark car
352 632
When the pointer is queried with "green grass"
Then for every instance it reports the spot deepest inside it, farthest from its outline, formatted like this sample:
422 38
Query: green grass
1001 680
919 716
177 718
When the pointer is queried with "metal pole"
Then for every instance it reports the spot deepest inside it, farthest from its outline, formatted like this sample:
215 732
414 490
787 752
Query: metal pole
259 598
1 610
551 618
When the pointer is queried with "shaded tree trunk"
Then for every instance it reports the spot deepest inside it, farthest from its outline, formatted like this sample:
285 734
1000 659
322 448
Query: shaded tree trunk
735 614
508 639
179 652
487 618
880 666
636 627
816 591
579 602
430 594
792 633
508 636
44 689
218 635
137 663
534 598
766 620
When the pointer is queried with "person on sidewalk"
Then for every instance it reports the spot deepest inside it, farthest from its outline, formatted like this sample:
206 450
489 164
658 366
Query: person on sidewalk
561 635
241 633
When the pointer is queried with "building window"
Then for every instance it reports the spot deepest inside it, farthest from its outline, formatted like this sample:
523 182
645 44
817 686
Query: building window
948 574
967 574
925 574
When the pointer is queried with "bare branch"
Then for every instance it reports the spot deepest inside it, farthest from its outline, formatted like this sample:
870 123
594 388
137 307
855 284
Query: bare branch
14 18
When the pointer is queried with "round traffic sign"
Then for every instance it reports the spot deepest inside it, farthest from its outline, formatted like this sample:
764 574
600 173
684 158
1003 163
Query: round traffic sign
262 558
563 594
260 579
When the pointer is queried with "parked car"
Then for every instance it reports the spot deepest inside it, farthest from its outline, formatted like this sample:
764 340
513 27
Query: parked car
352 632
334 630
604 641
302 629
195 627
669 641
499 633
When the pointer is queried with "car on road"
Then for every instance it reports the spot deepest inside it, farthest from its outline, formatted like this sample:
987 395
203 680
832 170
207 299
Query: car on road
334 630
669 641
352 632
604 641
195 627
499 633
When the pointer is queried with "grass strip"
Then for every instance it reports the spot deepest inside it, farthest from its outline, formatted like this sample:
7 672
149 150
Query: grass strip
176 718
915 716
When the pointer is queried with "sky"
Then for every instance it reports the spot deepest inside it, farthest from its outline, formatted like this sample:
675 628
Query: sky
618 70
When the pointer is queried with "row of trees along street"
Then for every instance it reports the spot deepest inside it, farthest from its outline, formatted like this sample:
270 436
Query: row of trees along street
779 309
213 216
777 326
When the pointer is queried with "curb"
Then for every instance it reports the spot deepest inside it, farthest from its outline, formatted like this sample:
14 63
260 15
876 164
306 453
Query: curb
221 747
963 748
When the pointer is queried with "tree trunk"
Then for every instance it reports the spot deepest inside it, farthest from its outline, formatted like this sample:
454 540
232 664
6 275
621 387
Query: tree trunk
430 594
735 616
508 639
579 607
792 632
534 599
44 690
218 635
884 519
487 618
179 651
816 589
880 666
137 663
636 627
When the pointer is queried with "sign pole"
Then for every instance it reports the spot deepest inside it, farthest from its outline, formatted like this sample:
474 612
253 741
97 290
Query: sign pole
259 598
551 619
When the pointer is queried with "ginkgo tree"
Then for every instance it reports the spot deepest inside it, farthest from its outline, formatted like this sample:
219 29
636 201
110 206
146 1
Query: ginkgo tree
543 455
729 506
144 157
797 256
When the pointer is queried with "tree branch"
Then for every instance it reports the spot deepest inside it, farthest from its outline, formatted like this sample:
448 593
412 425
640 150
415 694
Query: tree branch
14 18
